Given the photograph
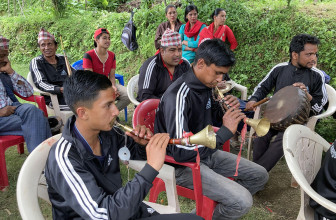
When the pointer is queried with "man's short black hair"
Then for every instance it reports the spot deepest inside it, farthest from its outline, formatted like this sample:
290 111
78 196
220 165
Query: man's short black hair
299 41
215 51
82 88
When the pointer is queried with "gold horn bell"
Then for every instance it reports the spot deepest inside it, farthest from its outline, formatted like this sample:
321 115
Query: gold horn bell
206 137
261 126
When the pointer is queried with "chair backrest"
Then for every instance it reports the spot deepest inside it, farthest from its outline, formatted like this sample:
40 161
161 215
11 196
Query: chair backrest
144 113
28 187
331 108
132 89
303 152
78 65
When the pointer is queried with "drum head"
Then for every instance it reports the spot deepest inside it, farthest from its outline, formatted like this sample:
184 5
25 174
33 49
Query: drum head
285 105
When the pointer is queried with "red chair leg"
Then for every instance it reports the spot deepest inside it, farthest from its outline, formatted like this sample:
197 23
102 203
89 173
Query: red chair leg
158 186
208 208
20 148
3 170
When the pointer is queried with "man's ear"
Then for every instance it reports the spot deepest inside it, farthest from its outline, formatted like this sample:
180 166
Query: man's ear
200 63
82 113
295 56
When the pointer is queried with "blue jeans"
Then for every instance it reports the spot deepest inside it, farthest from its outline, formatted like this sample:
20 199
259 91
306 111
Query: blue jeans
27 121
234 197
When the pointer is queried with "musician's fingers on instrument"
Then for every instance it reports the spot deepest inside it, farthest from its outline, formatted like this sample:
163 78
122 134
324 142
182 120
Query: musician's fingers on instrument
165 140
159 140
142 131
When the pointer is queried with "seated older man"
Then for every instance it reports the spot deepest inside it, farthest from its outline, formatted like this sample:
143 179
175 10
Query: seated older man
49 70
161 70
17 118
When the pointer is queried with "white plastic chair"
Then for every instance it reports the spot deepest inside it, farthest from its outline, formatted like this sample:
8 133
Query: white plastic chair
241 89
312 120
303 152
31 183
64 115
132 89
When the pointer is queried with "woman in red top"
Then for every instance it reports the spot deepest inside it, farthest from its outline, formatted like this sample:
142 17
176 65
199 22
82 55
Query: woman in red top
217 29
103 61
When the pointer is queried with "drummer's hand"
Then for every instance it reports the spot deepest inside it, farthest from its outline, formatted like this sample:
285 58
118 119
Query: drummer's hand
249 105
231 119
140 133
232 101
304 88
156 150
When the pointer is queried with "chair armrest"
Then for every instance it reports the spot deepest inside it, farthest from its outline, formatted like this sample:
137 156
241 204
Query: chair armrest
167 174
170 159
39 100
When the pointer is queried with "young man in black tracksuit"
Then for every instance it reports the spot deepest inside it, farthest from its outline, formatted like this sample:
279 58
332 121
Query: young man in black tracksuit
82 169
299 71
188 106
160 71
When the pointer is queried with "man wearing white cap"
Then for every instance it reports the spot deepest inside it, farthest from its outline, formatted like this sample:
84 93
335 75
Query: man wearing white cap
17 118
161 70
49 69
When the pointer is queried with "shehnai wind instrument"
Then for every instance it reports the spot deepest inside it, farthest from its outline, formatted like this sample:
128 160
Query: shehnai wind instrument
206 137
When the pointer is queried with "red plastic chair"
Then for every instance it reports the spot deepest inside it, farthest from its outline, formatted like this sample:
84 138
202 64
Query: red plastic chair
11 140
144 114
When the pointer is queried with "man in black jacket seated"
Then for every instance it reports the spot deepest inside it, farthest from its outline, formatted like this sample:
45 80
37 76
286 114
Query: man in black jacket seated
299 72
325 185
188 106
82 169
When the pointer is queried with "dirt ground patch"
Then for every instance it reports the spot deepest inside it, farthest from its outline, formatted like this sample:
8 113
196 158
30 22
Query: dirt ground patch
278 196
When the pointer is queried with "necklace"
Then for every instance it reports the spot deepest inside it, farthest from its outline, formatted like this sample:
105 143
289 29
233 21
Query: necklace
101 60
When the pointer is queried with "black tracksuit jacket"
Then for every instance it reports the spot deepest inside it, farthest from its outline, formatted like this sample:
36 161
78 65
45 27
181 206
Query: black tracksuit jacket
285 74
188 106
80 187
154 77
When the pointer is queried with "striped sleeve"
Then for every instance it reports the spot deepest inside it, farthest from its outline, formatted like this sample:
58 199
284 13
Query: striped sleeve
319 93
147 81
40 79
266 85
176 121
67 175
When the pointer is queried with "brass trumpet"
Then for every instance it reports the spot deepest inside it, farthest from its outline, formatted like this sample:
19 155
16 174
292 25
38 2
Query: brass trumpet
206 137
261 126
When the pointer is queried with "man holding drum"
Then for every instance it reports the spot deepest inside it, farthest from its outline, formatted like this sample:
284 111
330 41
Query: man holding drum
299 72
